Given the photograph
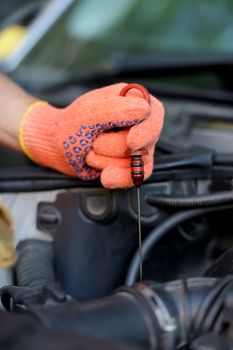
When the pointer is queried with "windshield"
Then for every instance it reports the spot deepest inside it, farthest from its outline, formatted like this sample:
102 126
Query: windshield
92 34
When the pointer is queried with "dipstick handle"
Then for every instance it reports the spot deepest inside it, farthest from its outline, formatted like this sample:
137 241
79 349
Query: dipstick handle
137 163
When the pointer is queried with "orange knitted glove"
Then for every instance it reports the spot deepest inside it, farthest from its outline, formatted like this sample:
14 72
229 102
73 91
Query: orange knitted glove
79 141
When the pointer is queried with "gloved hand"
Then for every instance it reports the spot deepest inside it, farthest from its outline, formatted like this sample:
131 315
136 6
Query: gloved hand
79 140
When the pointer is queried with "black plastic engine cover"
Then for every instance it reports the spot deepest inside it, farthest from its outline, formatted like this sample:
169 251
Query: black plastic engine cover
95 236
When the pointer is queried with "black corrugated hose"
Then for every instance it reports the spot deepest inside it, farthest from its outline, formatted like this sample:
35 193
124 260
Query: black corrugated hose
35 276
191 202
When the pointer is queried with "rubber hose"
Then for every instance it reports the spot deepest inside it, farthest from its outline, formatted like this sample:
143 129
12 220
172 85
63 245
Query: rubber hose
34 266
210 306
188 202
150 315
162 229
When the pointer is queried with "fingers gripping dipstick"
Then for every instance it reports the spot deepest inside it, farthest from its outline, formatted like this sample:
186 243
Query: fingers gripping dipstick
137 164
137 168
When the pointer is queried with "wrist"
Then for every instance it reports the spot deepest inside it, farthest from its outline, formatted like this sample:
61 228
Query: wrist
12 113
14 102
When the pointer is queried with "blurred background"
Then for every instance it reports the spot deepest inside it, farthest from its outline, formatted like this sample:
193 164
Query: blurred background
58 40
180 49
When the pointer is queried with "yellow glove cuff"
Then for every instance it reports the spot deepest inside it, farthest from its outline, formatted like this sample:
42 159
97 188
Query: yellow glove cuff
23 121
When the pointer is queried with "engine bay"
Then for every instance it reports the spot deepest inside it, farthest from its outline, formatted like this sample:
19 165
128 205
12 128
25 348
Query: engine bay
77 269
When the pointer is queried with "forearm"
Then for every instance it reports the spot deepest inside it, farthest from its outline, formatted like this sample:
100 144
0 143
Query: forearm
14 102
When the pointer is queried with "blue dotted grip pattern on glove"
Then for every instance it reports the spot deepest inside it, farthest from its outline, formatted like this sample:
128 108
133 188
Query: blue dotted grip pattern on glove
79 144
